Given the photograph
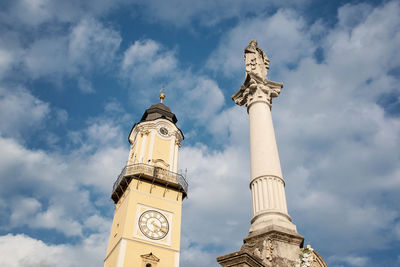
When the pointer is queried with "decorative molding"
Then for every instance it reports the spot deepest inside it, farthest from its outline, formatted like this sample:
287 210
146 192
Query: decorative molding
149 260
256 86
160 163
267 177
239 259
146 126
150 257
256 89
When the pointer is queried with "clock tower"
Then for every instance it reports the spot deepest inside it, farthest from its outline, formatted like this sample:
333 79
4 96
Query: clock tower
148 195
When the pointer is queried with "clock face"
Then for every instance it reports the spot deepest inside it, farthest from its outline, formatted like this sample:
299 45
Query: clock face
163 131
153 224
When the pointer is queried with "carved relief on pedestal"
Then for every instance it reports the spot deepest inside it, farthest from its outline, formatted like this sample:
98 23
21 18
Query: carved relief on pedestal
266 252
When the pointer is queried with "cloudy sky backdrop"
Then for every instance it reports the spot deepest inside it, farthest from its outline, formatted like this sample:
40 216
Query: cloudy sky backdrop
76 75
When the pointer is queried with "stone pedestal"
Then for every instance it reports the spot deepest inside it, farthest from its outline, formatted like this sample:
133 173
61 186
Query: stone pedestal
274 246
271 246
239 259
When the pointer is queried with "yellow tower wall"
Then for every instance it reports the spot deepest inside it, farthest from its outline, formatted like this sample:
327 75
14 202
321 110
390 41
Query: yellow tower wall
139 196
127 243
148 146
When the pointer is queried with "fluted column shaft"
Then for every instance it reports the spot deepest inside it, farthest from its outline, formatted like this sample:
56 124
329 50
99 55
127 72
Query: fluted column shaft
267 184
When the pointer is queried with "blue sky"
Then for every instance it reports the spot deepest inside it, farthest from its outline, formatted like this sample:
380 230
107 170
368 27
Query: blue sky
76 75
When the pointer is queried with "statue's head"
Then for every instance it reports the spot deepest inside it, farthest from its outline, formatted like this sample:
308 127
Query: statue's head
252 47
253 43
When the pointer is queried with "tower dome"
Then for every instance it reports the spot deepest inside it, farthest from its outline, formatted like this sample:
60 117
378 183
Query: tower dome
159 111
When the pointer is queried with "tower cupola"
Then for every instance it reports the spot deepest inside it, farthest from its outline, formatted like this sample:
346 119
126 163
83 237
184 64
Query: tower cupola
148 194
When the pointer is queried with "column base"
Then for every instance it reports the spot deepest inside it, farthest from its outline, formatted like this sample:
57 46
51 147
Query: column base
266 219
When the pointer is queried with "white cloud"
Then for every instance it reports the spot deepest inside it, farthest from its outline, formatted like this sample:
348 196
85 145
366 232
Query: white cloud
27 251
339 149
202 98
367 44
68 188
47 57
20 111
231 126
6 60
54 217
208 13
197 256
24 208
89 46
35 13
216 215
280 33
147 56
329 125
352 260
194 97
85 85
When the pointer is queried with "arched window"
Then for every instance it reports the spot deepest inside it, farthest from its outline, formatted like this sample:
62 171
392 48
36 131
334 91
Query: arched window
148 265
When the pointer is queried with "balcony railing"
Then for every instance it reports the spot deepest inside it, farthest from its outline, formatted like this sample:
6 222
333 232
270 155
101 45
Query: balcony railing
158 173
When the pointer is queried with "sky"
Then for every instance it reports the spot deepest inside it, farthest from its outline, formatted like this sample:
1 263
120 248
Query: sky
76 75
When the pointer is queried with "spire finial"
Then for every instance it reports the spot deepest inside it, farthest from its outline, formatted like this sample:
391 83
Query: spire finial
162 95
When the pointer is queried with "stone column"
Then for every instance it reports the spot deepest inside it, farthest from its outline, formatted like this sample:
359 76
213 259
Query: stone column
273 240
266 183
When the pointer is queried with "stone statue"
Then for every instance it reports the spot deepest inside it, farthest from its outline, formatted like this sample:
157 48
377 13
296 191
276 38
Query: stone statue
256 86
256 60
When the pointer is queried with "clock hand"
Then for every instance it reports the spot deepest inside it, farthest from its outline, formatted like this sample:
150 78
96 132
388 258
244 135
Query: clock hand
155 225
158 227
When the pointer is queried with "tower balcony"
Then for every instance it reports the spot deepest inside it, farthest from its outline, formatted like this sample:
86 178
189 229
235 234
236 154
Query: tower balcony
156 175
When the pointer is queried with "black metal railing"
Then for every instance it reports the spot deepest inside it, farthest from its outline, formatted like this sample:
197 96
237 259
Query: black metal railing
152 171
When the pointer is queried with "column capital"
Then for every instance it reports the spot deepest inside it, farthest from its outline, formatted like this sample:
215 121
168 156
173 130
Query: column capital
256 89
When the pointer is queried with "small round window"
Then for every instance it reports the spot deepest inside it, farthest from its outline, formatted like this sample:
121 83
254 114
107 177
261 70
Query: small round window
163 131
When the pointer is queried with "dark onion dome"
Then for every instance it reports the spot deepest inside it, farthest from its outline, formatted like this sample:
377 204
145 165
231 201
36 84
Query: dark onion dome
155 112
159 111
